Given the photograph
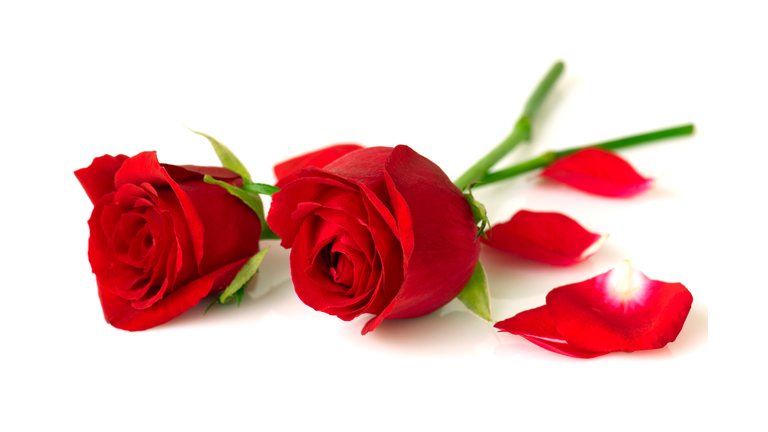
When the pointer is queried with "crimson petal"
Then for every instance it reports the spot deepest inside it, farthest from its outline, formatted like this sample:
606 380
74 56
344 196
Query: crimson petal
620 310
286 171
537 326
98 179
551 238
599 172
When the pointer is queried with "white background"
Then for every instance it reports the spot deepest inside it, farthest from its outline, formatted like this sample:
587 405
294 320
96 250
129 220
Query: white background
78 80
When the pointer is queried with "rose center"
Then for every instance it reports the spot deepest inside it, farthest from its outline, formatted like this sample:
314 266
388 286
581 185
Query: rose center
340 267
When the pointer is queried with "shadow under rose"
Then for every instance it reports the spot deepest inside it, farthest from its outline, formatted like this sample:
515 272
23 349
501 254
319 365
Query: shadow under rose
441 333
270 290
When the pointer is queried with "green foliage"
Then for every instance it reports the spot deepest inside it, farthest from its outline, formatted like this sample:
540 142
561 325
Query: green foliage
476 295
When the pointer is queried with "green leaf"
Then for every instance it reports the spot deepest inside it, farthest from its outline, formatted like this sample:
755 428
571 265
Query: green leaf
252 200
478 211
261 188
239 294
243 276
227 158
475 294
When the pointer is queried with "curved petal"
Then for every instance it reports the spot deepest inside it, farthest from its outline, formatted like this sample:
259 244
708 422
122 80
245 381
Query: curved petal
444 248
537 326
551 238
286 171
232 229
98 179
599 172
621 310
122 315
145 168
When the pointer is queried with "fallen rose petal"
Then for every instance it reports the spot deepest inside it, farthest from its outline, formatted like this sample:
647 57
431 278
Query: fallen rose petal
536 326
286 171
599 172
621 310
551 238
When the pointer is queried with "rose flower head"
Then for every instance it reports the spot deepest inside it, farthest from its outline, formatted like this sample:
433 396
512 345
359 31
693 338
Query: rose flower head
161 238
380 230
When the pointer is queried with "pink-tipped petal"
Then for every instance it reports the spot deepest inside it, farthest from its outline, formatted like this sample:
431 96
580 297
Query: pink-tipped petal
286 171
621 310
551 238
599 172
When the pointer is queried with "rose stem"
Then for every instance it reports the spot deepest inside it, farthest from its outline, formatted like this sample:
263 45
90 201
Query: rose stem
521 132
549 157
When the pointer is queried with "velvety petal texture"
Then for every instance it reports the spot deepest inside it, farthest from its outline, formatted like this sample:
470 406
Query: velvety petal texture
599 172
551 238
161 238
621 310
286 171
380 230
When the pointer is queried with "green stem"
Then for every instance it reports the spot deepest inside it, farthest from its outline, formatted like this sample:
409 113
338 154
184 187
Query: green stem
521 132
549 157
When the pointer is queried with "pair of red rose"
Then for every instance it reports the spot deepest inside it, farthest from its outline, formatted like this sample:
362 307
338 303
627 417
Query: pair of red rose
383 231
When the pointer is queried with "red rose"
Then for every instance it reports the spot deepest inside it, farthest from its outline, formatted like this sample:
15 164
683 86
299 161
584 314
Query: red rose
161 238
380 231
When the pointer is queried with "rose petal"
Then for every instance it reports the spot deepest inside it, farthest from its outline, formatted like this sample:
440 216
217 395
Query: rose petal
444 251
98 179
621 310
551 238
286 171
536 326
598 171
122 315
145 168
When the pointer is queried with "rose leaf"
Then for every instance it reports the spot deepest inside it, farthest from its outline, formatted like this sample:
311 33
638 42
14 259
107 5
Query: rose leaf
261 188
252 200
227 158
476 295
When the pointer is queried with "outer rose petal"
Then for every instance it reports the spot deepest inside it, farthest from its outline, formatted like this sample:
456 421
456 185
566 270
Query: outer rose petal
551 238
599 172
444 231
621 310
536 326
286 171
120 314
98 179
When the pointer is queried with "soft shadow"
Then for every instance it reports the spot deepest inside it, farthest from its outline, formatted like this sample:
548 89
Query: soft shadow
657 192
270 290
453 333
511 276
695 332
521 348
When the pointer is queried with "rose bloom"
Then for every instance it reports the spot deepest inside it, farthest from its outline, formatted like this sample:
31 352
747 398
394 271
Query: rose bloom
161 239
380 231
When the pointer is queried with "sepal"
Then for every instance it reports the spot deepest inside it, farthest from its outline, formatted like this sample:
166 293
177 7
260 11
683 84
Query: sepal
227 157
478 212
476 295
236 288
